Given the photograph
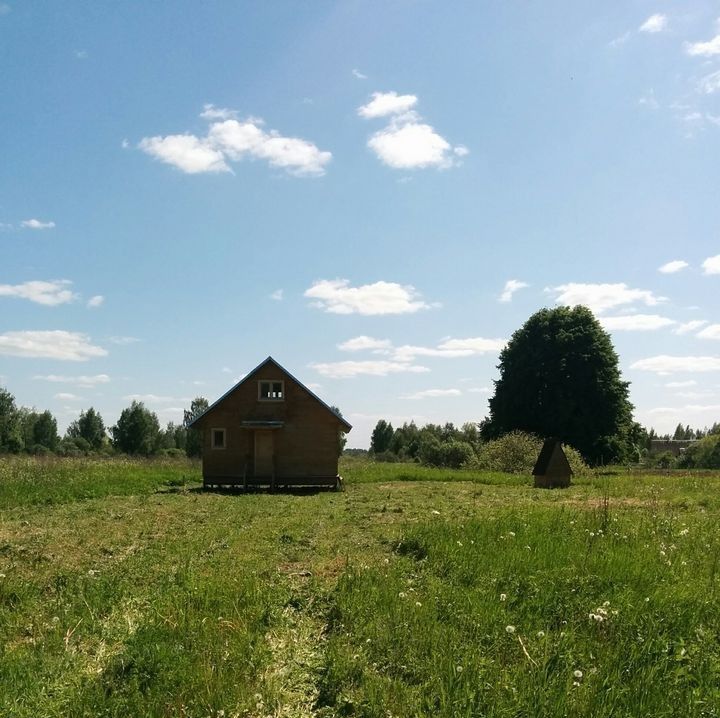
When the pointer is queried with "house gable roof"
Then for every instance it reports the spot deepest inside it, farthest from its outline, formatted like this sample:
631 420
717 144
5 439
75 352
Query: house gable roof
346 425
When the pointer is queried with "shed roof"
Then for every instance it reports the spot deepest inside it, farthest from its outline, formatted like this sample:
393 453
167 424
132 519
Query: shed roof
347 426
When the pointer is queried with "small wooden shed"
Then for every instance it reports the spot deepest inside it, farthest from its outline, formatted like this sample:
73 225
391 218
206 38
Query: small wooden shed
552 469
270 430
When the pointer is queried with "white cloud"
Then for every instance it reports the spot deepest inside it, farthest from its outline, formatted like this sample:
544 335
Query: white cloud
277 295
186 152
433 393
601 297
125 143
648 100
210 112
690 326
411 145
511 286
694 409
358 74
710 332
480 390
363 343
704 49
664 364
36 224
81 54
621 40
474 345
338 297
123 341
350 369
57 344
408 352
82 381
712 265
655 23
387 103
709 84
672 267
238 140
96 301
67 397
681 384
407 142
49 294
154 398
636 322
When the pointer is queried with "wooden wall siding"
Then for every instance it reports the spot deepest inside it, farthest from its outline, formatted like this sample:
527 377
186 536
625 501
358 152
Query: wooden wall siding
306 446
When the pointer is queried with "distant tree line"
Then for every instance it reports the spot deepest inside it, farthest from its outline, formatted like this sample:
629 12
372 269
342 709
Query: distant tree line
137 432
685 433
432 444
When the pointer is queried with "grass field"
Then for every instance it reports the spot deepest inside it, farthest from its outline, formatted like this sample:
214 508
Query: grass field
125 590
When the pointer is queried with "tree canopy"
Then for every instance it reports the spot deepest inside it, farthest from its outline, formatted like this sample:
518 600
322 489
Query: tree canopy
137 430
559 377
88 426
193 436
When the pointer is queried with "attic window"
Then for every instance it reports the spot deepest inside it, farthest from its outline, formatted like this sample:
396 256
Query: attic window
217 438
271 391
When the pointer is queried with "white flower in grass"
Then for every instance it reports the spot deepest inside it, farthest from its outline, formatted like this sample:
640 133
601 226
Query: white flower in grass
578 674
503 597
541 634
418 604
459 669
510 629
511 534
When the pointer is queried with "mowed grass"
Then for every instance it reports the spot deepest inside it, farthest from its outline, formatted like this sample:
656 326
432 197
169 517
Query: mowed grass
125 590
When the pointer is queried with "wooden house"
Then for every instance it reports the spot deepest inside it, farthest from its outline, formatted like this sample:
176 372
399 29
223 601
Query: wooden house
552 469
270 430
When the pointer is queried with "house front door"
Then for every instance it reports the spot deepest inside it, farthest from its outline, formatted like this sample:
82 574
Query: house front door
263 453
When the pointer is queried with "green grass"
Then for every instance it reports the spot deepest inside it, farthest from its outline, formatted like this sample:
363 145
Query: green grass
25 481
127 591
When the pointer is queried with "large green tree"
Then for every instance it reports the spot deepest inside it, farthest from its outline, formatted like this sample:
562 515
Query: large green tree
11 431
381 437
137 430
559 377
88 426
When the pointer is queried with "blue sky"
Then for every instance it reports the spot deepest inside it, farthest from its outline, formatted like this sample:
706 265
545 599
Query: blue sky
376 194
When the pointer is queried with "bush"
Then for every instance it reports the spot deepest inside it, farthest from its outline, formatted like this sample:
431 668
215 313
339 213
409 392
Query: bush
452 453
703 454
517 452
173 453
665 460
39 450
386 457
457 454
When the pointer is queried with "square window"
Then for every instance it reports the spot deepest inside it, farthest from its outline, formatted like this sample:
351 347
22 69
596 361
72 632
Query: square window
217 438
271 390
